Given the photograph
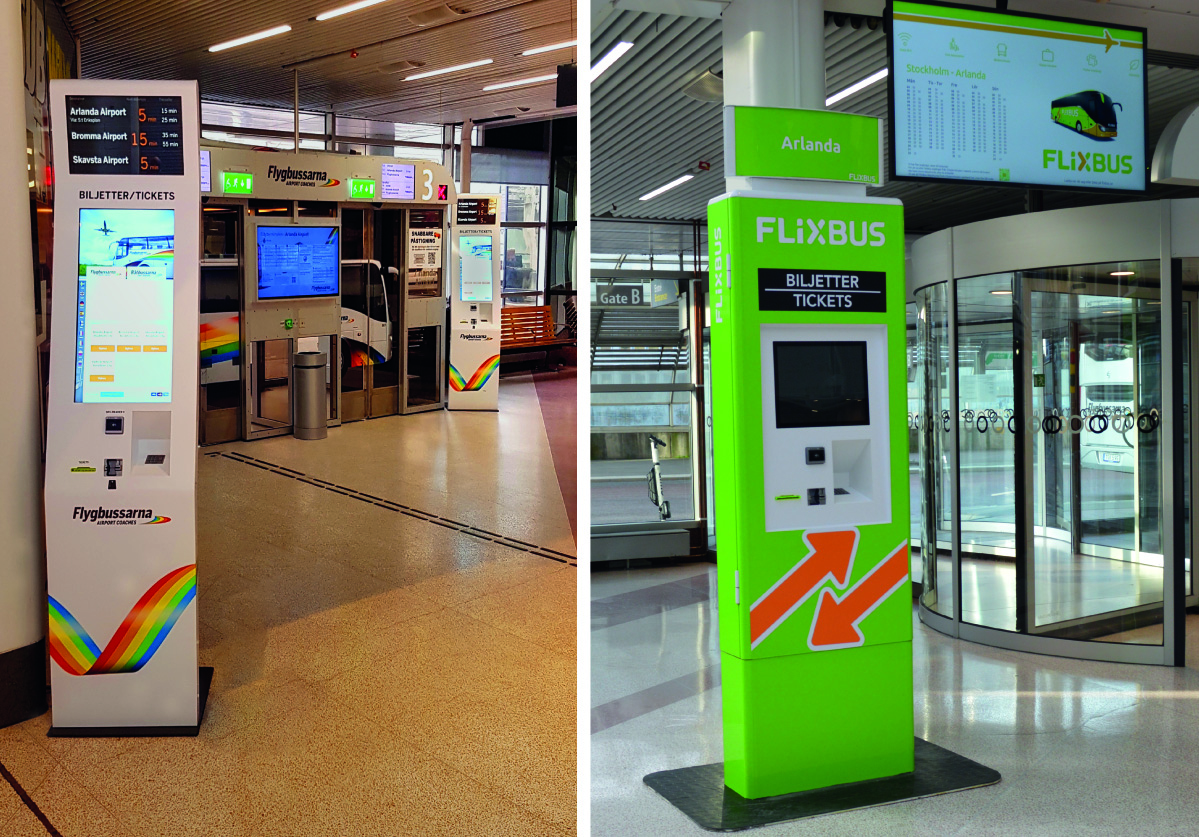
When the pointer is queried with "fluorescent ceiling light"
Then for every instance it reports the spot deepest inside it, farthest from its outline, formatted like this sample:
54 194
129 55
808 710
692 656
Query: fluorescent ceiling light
676 182
1122 273
257 36
549 48
345 10
597 69
1001 293
873 78
519 82
445 70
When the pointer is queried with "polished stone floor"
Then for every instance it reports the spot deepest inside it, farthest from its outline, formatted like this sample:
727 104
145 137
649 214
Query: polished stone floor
376 673
1084 748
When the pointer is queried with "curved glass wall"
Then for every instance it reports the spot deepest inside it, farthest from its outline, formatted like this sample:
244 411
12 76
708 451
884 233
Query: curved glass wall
1045 492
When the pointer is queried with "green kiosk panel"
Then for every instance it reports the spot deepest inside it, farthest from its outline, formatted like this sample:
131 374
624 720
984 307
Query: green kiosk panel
809 371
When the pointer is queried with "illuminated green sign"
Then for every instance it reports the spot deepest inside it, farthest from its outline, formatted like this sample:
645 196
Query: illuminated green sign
805 144
363 190
237 183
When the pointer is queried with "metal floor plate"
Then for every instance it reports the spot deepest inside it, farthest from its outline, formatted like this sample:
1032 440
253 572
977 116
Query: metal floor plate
700 793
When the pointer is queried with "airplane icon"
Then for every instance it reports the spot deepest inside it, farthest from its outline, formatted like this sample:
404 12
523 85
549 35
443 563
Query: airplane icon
104 228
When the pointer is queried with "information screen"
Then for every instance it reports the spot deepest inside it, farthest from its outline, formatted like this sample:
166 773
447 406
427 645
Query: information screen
820 384
474 279
205 170
125 310
125 134
992 97
477 211
296 262
399 182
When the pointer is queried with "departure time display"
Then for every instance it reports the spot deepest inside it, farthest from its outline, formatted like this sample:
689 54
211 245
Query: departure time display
125 134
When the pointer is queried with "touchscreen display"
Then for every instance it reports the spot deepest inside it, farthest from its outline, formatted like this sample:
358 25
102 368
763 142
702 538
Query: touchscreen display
820 384
475 271
296 262
125 310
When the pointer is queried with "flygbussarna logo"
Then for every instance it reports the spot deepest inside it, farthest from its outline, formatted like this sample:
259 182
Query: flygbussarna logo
475 337
118 517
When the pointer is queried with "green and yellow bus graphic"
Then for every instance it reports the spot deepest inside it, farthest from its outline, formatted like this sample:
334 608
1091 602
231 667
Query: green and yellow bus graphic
1089 112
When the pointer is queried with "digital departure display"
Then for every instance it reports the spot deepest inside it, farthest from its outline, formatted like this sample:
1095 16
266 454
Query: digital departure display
474 277
125 134
477 211
205 170
820 384
987 96
399 182
125 309
296 262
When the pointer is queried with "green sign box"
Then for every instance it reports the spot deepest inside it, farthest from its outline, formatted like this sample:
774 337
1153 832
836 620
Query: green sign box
802 144
362 190
237 183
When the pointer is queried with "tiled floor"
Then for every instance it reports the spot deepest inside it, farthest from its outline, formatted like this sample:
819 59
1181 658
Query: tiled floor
376 674
1084 748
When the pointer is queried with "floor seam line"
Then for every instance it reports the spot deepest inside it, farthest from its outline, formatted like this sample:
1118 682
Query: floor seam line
28 802
428 517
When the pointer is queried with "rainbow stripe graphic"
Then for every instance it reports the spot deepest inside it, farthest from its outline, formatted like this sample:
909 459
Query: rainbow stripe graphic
220 340
477 380
135 641
157 519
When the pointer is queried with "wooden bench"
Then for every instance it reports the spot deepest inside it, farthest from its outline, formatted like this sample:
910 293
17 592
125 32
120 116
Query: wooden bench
527 333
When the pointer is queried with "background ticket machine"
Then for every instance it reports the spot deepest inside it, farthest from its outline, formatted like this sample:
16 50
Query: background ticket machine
475 303
811 473
121 444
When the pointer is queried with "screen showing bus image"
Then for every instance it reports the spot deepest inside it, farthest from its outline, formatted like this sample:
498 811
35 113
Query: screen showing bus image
298 262
820 384
126 306
474 277
995 97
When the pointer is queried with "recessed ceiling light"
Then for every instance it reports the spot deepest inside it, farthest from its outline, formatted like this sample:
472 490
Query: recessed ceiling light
1122 273
345 10
597 69
857 86
549 48
676 182
519 82
257 36
445 70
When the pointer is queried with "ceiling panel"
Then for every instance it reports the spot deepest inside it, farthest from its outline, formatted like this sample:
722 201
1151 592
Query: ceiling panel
160 39
645 132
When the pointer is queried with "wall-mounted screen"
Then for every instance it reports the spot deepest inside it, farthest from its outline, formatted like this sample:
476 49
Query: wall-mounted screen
474 277
125 134
399 182
1018 99
205 170
296 262
126 305
477 211
820 384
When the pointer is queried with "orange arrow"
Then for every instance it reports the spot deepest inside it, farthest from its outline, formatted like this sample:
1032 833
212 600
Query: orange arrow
836 622
830 555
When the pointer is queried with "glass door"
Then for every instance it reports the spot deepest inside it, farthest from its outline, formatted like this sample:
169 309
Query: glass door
1093 406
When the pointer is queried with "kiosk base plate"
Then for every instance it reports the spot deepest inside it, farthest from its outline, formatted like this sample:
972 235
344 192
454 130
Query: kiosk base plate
700 792
206 673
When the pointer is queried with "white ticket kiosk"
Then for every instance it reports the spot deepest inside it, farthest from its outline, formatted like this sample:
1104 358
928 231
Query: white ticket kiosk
121 444
475 303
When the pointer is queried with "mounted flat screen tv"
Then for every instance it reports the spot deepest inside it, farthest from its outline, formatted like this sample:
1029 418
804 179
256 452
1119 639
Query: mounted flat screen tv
296 262
984 96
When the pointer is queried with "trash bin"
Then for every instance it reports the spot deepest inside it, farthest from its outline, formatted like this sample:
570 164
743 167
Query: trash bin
311 420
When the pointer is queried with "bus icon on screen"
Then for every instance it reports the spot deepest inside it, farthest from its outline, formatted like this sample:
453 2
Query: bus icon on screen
1089 112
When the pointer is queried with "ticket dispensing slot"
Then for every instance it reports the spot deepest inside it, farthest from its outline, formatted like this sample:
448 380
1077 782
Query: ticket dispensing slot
826 451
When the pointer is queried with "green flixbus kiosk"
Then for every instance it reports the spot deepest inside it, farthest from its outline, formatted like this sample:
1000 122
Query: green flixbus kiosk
811 470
